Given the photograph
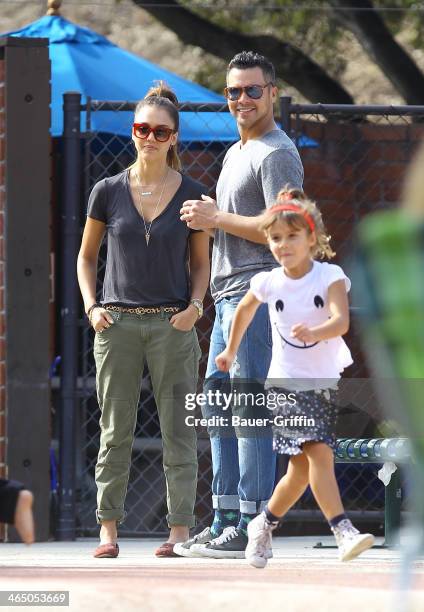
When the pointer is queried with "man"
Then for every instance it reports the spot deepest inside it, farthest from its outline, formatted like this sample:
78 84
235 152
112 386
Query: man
254 170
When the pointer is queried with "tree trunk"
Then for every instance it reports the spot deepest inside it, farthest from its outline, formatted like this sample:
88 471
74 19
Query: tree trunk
291 64
378 42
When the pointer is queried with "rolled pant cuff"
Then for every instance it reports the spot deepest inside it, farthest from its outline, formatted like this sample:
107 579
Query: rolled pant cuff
187 520
110 515
225 502
252 507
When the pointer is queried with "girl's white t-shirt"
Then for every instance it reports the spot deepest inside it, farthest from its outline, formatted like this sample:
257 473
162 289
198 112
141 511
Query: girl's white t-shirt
303 300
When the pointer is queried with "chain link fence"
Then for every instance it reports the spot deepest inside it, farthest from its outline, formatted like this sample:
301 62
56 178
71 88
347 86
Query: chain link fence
354 159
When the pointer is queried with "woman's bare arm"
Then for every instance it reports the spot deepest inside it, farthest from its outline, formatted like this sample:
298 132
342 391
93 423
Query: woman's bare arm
87 260
199 264
199 280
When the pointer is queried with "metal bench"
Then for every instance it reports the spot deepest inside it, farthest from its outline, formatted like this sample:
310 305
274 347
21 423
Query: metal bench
380 450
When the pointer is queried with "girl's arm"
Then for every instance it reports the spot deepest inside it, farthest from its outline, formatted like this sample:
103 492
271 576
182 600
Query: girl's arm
336 325
199 280
243 316
87 269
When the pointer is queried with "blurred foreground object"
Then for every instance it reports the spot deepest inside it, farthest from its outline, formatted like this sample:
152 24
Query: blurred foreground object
390 279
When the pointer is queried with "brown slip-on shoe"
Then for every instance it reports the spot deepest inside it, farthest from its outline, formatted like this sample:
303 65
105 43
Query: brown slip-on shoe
106 551
166 550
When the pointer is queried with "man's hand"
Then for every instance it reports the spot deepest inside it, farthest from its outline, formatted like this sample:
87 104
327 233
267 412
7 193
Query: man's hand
200 214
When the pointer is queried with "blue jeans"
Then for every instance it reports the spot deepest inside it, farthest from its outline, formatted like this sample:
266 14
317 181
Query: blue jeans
243 460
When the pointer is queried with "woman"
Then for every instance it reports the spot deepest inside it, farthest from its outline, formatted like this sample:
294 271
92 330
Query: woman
157 273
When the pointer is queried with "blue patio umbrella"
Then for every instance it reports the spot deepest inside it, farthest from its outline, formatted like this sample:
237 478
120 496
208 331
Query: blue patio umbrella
89 63
85 61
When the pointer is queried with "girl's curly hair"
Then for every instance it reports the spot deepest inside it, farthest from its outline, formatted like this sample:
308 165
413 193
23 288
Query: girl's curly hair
297 220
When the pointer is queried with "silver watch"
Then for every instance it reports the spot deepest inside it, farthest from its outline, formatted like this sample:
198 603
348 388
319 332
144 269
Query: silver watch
199 305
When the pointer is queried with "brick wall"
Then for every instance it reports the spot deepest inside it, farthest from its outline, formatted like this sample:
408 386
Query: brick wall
356 169
204 165
2 310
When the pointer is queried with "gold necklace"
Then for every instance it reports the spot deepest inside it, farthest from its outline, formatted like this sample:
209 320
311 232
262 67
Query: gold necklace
147 229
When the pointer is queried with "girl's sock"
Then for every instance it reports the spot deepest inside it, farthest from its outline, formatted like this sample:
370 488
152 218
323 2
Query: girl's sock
223 519
336 520
271 518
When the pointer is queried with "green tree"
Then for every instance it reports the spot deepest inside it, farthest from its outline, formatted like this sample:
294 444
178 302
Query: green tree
300 40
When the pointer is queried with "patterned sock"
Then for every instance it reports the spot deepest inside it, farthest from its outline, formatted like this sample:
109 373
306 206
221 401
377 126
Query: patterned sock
244 521
336 520
223 519
271 518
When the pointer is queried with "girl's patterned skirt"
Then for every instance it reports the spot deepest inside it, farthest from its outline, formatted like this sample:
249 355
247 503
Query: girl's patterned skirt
312 417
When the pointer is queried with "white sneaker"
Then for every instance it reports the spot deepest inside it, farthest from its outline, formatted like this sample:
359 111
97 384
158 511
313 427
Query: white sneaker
185 549
350 541
259 545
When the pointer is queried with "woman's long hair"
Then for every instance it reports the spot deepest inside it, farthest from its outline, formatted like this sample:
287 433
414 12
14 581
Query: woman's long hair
162 96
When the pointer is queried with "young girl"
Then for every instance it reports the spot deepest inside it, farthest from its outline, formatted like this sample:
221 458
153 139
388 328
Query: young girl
309 313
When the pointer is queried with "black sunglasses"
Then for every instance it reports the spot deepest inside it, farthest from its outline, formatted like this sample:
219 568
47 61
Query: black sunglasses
252 91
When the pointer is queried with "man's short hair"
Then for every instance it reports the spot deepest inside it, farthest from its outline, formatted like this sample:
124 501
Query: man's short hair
251 59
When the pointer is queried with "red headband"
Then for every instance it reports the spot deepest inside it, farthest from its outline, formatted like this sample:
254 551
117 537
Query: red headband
296 209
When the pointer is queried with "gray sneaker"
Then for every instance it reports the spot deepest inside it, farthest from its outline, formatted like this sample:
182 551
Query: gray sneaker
185 549
229 545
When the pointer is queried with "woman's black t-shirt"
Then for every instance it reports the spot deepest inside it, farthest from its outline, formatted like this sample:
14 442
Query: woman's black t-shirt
137 274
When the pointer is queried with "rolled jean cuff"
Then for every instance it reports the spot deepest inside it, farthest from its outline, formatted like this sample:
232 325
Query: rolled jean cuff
187 520
252 507
110 515
225 502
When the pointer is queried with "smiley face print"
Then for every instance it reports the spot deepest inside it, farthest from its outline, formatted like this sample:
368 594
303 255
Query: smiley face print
318 302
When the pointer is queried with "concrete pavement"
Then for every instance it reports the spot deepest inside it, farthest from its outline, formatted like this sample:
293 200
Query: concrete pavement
299 576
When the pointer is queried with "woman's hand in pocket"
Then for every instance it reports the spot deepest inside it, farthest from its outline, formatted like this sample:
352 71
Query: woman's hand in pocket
101 319
185 320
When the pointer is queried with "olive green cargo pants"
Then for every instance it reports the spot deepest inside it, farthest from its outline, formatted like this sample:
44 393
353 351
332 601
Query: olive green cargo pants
172 358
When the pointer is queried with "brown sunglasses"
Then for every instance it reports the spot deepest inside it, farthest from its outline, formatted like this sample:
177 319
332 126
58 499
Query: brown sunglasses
162 133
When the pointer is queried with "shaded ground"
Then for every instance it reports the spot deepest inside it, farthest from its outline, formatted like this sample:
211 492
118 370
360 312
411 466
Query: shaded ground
298 576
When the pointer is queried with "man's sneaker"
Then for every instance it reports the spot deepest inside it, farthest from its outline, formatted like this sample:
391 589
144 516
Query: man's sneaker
230 544
350 541
185 549
259 546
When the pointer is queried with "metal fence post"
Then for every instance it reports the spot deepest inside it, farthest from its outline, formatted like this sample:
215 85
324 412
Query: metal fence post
392 515
70 234
285 108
